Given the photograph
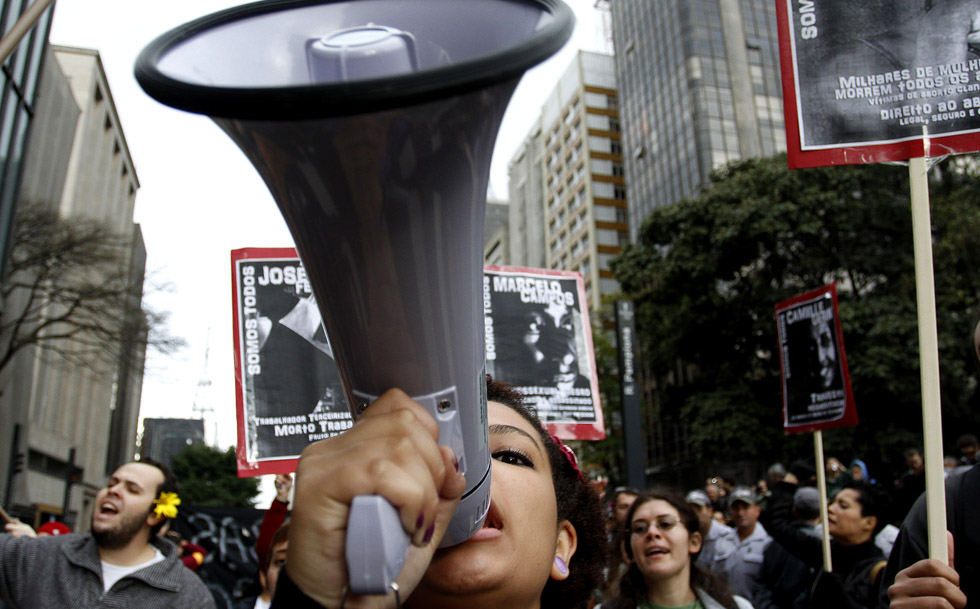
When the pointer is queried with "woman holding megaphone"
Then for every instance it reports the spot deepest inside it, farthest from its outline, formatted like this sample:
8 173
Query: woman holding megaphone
541 546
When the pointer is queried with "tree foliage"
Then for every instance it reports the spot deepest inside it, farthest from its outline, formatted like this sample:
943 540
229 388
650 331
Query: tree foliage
207 477
706 273
70 291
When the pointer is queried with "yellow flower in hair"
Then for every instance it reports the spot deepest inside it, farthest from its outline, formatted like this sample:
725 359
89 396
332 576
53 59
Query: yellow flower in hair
166 505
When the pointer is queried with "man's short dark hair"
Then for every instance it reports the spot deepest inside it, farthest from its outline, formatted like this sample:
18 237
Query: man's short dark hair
169 485
874 501
967 439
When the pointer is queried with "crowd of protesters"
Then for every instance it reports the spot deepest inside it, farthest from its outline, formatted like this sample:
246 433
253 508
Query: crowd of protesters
720 545
762 545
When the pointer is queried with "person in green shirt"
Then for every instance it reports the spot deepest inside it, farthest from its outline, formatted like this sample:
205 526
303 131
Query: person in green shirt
661 544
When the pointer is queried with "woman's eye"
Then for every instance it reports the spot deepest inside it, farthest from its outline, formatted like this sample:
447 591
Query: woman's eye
513 457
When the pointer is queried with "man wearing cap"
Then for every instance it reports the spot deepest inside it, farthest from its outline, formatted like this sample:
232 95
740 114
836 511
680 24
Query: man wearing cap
784 578
739 560
711 530
122 562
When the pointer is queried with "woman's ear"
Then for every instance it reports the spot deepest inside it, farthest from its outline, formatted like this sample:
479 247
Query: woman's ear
564 550
868 523
694 543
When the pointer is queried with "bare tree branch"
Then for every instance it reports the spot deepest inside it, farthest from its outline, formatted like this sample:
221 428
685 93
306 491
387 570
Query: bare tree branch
70 291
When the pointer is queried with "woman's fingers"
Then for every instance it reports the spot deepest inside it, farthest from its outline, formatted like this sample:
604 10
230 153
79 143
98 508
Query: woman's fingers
391 451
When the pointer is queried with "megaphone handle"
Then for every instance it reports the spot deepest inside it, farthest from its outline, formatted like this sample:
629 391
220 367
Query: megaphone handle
376 545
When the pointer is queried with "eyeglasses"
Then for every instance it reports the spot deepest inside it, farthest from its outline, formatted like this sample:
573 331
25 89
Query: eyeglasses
662 524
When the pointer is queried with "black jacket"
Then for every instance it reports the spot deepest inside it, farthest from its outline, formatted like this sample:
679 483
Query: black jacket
850 585
962 520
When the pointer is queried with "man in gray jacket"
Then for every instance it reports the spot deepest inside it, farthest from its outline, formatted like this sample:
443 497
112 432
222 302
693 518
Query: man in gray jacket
122 562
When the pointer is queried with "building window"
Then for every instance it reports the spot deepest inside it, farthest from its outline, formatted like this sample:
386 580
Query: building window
608 286
606 236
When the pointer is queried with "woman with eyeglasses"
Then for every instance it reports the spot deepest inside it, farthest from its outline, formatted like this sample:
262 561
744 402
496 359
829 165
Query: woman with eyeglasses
661 542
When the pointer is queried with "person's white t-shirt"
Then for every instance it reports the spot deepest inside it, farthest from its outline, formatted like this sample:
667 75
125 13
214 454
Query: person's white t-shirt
113 573
261 604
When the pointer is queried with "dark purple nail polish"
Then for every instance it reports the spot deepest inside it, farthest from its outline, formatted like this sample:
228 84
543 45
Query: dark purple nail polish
456 463
429 532
420 522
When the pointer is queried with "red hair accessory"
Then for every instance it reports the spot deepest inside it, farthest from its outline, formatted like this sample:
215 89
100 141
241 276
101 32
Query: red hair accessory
569 454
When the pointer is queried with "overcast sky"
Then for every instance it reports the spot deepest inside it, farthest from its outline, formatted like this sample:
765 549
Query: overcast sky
199 198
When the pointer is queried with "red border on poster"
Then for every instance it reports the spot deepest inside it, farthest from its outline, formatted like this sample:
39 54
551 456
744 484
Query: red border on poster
246 468
849 417
571 431
896 150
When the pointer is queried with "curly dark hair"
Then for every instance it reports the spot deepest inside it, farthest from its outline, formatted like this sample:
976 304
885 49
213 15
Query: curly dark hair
633 586
578 503
169 485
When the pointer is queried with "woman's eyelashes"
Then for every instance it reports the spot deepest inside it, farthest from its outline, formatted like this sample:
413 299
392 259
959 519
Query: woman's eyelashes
512 456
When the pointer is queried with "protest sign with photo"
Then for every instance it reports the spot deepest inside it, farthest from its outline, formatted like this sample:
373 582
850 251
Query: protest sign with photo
867 81
287 387
539 340
816 384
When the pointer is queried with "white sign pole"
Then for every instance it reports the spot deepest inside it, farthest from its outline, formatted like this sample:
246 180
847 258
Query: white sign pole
822 487
932 431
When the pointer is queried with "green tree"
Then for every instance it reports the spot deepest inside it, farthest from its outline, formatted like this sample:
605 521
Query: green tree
706 273
207 477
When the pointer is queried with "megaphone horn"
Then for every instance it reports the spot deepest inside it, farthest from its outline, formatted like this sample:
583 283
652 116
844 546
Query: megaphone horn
372 123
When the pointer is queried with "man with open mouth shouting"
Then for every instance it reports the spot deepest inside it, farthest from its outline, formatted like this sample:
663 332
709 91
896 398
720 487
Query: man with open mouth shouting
122 562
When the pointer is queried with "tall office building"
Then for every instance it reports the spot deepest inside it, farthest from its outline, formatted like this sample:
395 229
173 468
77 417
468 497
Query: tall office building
19 80
699 86
72 423
567 190
163 439
496 233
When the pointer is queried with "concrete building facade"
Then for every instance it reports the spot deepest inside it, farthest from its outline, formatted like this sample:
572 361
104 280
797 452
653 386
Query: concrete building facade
72 424
567 184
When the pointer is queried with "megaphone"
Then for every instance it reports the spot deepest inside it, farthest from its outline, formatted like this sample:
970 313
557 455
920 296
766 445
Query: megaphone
373 122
